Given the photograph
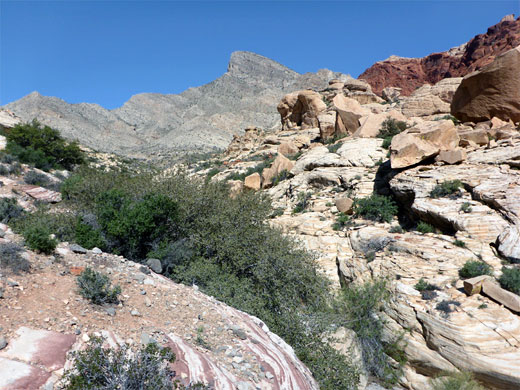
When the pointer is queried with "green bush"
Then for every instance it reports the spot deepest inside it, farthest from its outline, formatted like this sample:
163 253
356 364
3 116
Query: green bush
342 221
10 258
376 208
510 279
96 287
390 128
446 188
101 368
456 381
422 285
283 175
459 243
42 147
87 236
9 209
226 246
38 238
396 229
423 227
61 224
256 169
474 268
303 202
333 148
466 207
36 178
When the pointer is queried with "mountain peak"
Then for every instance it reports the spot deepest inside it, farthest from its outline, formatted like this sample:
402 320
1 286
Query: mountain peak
246 63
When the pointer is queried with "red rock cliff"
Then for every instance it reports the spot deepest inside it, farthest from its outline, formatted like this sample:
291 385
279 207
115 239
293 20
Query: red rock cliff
410 73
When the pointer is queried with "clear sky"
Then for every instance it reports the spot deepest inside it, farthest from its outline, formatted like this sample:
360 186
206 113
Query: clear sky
106 51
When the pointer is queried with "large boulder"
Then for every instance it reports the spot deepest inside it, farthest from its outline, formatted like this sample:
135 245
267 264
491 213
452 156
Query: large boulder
301 109
431 100
492 91
421 142
371 124
280 164
349 111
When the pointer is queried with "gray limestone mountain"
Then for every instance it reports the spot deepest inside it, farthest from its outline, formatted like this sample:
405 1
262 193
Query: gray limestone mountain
201 118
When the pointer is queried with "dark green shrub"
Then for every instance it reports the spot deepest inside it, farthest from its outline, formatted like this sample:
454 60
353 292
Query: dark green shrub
390 128
9 209
283 175
102 368
396 229
256 169
474 268
422 285
459 243
36 178
446 307
61 224
423 227
96 287
376 208
131 225
42 147
456 381
212 172
303 202
342 221
10 258
446 188
333 148
466 207
87 236
37 238
510 279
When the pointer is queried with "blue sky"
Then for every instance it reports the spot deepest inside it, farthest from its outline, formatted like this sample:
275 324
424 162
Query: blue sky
106 51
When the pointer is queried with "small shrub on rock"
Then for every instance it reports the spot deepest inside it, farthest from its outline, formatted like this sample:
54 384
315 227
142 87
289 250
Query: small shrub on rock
334 147
428 291
390 128
96 287
396 229
446 307
459 243
10 258
283 175
446 188
456 381
38 238
97 367
342 221
466 207
303 202
36 178
510 279
376 208
424 227
473 268
9 209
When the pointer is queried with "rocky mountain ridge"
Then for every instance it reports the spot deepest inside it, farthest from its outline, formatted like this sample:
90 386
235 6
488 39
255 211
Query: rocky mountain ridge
411 73
200 118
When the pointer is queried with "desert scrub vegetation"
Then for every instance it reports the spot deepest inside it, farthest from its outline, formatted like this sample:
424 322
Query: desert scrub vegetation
376 208
258 168
456 381
43 147
390 128
96 287
225 246
38 238
446 188
102 368
427 290
474 268
302 203
510 279
10 258
342 221
283 175
423 227
9 209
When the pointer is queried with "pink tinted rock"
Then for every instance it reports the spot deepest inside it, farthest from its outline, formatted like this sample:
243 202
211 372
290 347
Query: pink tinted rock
16 375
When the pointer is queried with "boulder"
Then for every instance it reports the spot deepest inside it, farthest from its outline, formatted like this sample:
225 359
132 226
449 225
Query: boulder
301 109
155 265
474 285
371 124
288 148
493 91
430 100
452 156
478 136
327 122
281 163
504 297
353 84
349 111
422 141
253 181
344 205
235 187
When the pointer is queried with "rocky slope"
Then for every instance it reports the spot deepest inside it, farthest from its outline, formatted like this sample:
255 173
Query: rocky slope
453 327
201 118
411 73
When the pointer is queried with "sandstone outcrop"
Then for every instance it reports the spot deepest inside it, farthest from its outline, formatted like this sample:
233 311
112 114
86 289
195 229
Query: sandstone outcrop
411 73
493 91
431 100
421 142
301 109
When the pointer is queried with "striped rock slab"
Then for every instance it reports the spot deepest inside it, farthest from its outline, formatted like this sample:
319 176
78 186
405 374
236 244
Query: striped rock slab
32 359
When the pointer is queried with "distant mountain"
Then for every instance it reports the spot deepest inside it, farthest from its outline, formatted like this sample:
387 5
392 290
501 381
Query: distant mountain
198 119
411 73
